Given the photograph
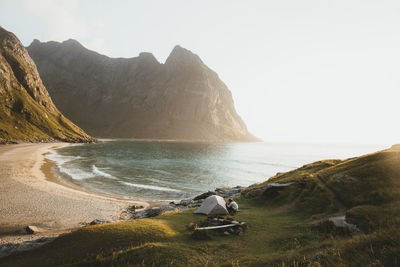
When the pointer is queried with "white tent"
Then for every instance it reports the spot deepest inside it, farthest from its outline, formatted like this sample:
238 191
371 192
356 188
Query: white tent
213 205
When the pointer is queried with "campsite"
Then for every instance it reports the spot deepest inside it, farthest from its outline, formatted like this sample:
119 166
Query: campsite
213 206
285 225
188 133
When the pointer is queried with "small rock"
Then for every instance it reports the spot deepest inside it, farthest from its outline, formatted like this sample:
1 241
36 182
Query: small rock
340 221
153 212
147 213
97 221
30 229
168 208
134 208
234 191
205 195
222 189
278 185
185 202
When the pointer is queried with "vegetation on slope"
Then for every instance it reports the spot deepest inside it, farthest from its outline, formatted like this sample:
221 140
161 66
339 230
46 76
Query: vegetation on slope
27 111
286 227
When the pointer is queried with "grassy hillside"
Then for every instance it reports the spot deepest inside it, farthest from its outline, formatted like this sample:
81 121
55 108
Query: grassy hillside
24 119
287 226
27 111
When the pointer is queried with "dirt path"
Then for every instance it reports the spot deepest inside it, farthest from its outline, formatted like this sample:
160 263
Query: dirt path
338 218
339 204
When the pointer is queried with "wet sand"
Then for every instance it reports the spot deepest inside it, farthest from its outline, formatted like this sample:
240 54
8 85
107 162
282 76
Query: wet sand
32 194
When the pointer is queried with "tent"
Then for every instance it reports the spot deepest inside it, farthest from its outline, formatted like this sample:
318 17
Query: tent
213 205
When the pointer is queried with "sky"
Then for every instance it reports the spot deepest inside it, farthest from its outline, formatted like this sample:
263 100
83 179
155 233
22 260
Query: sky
299 71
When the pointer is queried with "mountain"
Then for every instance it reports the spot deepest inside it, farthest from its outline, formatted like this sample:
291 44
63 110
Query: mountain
27 111
139 97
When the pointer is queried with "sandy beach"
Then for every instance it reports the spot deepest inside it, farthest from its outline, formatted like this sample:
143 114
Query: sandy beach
31 195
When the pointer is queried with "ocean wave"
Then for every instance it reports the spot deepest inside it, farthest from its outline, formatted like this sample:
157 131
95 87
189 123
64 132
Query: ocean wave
75 173
97 172
79 174
60 159
151 187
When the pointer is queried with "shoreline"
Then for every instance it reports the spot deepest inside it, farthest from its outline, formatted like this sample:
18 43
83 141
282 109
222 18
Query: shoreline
53 175
48 168
175 140
32 193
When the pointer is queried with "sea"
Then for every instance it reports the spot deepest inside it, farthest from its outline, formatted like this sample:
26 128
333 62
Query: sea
167 171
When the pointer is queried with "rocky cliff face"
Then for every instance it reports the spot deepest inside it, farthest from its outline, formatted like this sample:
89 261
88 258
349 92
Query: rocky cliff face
139 97
27 111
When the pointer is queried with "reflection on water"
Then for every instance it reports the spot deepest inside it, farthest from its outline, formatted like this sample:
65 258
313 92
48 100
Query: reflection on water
172 170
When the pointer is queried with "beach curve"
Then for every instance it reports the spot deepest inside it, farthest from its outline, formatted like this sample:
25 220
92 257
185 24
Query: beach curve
28 197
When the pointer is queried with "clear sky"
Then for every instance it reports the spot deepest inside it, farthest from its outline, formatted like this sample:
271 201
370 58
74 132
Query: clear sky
299 71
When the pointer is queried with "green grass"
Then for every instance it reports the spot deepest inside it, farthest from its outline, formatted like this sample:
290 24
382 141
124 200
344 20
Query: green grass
273 237
27 111
165 239
285 228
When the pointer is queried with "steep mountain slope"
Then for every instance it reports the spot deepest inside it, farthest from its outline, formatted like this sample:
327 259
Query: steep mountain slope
139 97
27 111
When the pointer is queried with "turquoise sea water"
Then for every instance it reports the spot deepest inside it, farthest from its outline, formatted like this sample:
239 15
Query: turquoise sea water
173 170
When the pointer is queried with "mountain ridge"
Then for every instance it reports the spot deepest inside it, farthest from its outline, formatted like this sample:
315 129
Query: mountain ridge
139 97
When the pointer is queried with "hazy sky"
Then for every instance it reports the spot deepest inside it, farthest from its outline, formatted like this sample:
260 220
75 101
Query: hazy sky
308 71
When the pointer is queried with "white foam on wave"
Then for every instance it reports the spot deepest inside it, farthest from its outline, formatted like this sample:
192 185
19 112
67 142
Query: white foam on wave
96 171
74 172
60 159
78 174
151 187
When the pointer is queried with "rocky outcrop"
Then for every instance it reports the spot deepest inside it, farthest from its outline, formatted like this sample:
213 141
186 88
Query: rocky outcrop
139 97
183 204
27 111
